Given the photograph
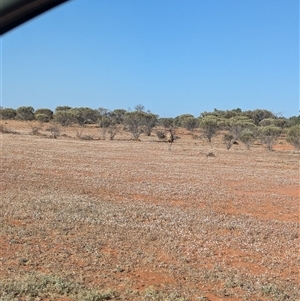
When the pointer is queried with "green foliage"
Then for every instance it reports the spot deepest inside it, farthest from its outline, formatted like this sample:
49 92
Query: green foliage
258 115
166 122
293 136
118 115
42 118
151 294
65 117
25 113
178 121
269 135
7 113
190 123
210 125
267 122
38 287
247 137
223 114
149 122
281 122
237 124
134 121
85 115
46 112
294 120
228 140
62 108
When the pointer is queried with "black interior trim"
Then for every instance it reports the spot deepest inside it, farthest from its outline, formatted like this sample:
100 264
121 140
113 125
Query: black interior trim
15 12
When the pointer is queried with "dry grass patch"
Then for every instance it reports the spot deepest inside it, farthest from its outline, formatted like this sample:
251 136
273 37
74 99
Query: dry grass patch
149 223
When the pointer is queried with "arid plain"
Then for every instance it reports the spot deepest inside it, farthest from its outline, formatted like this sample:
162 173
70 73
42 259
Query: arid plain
131 220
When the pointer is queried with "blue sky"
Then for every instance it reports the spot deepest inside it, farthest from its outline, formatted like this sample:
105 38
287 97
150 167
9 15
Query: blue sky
172 56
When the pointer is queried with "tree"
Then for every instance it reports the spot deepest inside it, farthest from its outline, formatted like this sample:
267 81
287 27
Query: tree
7 113
228 140
294 120
223 114
166 122
149 122
104 120
62 108
43 115
239 123
269 135
85 115
190 123
25 113
134 121
42 118
247 137
209 125
258 115
178 121
104 124
293 136
139 108
118 115
112 130
64 117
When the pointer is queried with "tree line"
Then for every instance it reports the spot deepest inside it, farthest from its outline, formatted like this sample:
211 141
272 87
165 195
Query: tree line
245 126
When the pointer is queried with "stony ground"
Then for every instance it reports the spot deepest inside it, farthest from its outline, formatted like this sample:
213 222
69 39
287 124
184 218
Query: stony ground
127 220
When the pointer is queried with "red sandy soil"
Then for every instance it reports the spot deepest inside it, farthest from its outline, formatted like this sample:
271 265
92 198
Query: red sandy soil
134 217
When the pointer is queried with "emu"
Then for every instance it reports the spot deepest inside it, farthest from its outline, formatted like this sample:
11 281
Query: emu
170 137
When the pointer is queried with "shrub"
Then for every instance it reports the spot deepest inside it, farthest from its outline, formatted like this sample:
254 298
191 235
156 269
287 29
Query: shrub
7 113
54 129
64 118
166 122
112 131
209 125
25 113
247 137
160 135
190 123
46 115
293 136
228 139
34 129
239 123
42 118
134 122
269 135
5 130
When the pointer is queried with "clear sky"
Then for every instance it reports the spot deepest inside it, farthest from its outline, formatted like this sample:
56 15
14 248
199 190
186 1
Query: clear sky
172 56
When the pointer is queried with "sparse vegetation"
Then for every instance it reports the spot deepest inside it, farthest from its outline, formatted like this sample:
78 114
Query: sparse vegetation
25 113
269 135
121 215
293 136
160 135
38 286
6 130
247 137
228 139
55 130
209 125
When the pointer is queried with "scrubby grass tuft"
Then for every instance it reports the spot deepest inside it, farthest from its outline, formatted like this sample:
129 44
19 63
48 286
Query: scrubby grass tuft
35 286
